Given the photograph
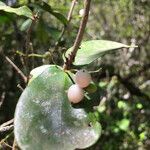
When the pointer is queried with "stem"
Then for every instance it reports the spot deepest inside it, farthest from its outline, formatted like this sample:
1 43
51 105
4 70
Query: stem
7 126
2 98
30 55
69 19
17 69
79 37
27 43
36 55
14 147
7 145
7 123
71 10
20 87
28 39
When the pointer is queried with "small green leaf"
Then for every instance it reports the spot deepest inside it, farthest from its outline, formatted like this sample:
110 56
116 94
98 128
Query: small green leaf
91 88
21 11
122 105
139 106
26 25
101 108
55 13
142 136
94 49
123 124
45 119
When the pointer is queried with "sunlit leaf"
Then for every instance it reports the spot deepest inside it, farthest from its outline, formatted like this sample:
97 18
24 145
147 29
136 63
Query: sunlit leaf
94 49
122 105
123 124
142 136
45 119
21 11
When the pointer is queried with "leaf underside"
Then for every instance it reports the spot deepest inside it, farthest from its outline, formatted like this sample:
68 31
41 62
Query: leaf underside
44 118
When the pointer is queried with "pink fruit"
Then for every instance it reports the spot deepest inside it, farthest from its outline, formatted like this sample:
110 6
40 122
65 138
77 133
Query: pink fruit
82 78
75 93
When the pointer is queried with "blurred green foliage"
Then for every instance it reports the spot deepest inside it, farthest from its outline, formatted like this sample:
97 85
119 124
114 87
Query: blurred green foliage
123 81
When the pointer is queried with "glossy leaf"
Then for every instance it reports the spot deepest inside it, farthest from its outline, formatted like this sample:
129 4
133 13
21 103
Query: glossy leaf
21 11
55 13
94 49
44 118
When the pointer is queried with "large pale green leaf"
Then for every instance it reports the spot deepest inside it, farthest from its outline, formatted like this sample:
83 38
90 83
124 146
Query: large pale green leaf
37 71
45 119
92 50
21 11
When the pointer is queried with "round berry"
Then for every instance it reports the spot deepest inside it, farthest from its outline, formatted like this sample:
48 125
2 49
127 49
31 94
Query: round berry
82 78
81 12
75 93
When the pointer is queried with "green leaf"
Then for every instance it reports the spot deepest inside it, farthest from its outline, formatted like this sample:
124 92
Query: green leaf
139 106
26 25
123 124
37 71
142 136
4 19
92 88
55 13
45 119
122 105
21 11
94 49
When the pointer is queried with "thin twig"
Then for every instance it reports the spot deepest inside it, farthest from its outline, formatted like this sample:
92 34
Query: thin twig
71 10
30 55
20 87
14 145
69 19
7 144
7 136
27 43
96 71
7 128
2 98
7 123
17 69
79 37
28 37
